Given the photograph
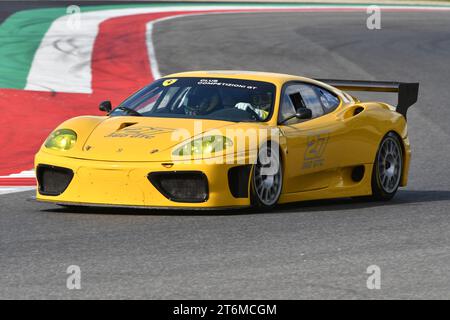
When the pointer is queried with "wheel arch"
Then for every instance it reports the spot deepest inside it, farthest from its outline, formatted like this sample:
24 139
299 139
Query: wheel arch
404 156
282 155
405 166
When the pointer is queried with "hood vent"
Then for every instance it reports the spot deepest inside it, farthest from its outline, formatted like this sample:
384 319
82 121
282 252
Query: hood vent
126 125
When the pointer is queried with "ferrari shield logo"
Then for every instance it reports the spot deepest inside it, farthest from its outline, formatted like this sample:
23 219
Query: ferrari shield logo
169 82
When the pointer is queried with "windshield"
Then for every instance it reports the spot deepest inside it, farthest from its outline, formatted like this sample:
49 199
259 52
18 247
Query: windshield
202 98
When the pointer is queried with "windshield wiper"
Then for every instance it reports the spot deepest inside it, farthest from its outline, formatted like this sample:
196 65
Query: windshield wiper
130 111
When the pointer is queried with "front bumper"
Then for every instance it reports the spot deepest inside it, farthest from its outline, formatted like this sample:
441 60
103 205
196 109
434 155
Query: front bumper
127 183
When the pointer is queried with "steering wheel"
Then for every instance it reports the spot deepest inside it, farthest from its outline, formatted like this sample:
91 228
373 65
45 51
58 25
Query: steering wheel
254 115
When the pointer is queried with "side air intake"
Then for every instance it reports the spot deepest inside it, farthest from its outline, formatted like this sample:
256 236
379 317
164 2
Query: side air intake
52 180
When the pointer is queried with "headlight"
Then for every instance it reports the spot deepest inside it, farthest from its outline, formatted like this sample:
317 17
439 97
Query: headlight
204 145
62 139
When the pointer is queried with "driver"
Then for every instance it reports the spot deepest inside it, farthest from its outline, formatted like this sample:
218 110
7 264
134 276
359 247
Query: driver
259 101
202 100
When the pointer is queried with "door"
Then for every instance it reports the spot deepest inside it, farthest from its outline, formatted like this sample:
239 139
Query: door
312 144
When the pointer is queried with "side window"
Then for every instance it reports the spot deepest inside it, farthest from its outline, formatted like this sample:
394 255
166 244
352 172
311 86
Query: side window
312 100
329 100
287 108
318 100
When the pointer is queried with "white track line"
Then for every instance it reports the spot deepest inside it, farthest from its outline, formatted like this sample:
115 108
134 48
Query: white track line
7 190
154 67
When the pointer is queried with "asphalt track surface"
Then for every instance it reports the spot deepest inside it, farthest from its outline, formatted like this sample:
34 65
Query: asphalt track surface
307 250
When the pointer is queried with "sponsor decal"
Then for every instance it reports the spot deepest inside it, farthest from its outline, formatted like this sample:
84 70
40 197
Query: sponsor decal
142 132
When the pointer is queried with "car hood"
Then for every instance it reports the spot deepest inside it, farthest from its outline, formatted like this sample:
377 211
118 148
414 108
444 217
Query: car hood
142 138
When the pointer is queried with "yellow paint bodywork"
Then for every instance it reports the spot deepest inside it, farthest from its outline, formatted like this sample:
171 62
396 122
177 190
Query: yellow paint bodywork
112 170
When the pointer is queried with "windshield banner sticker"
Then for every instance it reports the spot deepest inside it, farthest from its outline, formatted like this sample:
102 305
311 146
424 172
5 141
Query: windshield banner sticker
215 82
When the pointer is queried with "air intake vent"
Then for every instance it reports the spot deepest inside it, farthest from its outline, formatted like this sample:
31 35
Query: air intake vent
358 173
126 125
53 180
181 186
238 178
358 110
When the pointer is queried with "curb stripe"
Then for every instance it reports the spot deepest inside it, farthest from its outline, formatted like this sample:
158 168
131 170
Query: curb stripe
17 182
120 58
21 35
22 32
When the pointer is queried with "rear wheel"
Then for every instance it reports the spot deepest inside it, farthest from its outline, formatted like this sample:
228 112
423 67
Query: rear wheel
267 177
387 169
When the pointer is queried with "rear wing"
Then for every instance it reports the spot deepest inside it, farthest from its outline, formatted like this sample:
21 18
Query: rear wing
407 92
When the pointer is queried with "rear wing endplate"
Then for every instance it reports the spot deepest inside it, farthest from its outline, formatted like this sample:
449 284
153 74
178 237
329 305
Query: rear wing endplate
407 92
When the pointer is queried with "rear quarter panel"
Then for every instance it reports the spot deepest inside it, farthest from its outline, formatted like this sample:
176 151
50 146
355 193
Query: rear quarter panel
365 130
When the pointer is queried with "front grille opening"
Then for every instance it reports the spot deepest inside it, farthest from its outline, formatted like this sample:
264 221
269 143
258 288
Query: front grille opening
52 180
181 186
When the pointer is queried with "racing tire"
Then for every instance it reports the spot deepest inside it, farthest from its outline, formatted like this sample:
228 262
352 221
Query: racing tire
267 177
387 168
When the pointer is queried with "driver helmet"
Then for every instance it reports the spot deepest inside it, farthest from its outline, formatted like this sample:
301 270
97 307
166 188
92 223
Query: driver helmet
202 100
261 101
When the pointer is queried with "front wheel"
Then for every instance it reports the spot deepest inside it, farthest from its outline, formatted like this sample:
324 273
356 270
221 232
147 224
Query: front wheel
267 177
387 169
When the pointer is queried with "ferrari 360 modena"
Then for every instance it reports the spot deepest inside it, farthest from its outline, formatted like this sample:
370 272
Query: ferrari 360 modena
220 139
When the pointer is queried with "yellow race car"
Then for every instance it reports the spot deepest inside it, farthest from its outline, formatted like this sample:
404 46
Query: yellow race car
218 139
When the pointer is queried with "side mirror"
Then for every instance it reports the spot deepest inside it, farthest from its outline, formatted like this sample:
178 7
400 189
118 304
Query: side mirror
105 106
303 113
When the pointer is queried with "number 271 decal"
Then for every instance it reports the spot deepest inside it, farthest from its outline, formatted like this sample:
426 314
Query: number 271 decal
315 148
